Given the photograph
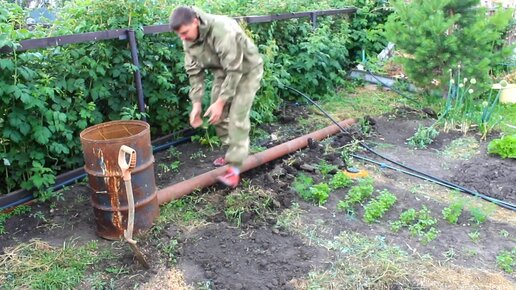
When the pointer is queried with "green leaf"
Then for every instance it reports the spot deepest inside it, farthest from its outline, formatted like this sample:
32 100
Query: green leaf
13 135
37 180
6 64
59 148
101 70
24 128
42 134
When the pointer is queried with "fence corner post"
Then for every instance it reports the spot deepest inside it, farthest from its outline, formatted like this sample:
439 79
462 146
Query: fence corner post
137 73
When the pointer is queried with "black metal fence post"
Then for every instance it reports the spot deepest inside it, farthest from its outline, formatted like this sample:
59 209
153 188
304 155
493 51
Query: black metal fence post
137 73
313 17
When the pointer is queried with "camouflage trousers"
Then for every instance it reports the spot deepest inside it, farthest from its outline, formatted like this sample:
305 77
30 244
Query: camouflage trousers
233 129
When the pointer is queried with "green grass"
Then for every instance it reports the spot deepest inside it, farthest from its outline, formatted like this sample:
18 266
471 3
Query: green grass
364 263
37 265
508 112
289 218
190 210
363 102
253 200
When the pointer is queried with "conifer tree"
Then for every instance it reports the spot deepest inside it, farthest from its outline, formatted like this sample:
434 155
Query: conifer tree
438 35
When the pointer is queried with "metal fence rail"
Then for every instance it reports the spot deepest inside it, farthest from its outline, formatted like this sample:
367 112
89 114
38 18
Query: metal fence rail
162 28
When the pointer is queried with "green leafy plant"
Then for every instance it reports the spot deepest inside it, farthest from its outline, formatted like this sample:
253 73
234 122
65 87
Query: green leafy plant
504 233
319 193
406 218
174 152
302 184
506 260
423 137
478 215
197 155
172 167
208 137
376 208
450 254
325 168
367 27
419 223
340 180
505 146
357 194
132 113
171 249
474 236
452 213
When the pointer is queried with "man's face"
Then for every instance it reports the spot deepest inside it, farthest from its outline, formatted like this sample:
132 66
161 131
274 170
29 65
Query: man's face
189 32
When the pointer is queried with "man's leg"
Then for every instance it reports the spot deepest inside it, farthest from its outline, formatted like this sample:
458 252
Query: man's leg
222 127
240 125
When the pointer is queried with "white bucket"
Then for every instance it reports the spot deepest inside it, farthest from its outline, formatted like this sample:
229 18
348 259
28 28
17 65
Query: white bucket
507 94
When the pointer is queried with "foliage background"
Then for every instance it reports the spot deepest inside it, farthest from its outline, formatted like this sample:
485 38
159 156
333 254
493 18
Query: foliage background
48 96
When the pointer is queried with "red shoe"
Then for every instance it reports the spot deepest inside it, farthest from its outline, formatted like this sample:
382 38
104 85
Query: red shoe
220 162
230 178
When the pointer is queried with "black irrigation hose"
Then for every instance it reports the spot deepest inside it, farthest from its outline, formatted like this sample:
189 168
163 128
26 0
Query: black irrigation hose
417 173
436 180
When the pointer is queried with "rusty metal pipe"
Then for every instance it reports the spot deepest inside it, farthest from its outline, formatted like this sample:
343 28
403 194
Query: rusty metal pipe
183 188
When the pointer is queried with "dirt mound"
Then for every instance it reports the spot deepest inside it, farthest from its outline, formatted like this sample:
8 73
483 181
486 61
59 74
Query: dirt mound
489 175
259 259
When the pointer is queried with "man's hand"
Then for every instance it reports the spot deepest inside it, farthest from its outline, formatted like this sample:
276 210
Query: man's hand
195 115
215 111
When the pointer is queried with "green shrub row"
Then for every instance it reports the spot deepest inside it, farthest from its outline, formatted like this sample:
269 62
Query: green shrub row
48 96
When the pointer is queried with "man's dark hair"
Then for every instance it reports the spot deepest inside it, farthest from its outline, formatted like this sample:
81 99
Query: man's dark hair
181 16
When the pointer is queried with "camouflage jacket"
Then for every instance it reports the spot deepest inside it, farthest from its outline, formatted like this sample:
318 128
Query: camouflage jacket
222 44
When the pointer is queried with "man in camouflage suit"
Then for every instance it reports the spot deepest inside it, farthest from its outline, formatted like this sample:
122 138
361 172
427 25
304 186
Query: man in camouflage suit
219 44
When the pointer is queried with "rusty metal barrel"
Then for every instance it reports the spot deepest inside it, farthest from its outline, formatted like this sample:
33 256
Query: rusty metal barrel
101 144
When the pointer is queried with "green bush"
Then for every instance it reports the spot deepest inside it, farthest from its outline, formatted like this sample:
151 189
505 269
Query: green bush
368 28
69 88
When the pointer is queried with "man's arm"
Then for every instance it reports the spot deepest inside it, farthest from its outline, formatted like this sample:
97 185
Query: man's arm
229 49
196 79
